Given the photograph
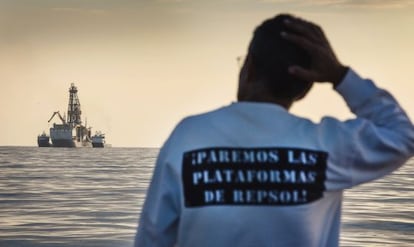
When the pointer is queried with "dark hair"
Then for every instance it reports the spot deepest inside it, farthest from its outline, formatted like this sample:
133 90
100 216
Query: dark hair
272 55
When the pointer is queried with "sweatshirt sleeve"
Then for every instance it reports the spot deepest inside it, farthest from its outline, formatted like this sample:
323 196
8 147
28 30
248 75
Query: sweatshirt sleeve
160 214
378 141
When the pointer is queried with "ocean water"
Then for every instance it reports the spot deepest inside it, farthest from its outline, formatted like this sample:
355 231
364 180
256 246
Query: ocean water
93 197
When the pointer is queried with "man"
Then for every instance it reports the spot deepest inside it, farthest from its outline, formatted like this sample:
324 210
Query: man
252 174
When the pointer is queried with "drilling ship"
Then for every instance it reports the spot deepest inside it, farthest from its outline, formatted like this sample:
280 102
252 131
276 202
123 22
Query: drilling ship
70 132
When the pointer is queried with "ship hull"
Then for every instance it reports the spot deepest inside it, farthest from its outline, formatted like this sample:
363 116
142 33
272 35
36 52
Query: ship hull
70 144
61 136
97 145
59 143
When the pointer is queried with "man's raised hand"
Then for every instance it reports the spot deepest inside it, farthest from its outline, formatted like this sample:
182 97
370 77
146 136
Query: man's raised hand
325 67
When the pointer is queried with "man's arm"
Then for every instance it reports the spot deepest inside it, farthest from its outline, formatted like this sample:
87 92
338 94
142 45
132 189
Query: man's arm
374 144
160 213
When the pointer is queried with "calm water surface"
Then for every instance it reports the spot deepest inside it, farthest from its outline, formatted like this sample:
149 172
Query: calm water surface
93 197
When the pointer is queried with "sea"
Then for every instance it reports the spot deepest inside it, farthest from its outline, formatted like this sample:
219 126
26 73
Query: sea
84 197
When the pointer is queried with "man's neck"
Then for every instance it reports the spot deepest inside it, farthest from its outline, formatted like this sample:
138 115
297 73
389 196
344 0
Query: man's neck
262 99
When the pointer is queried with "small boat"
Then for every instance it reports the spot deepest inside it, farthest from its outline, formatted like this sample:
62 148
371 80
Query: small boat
98 140
43 140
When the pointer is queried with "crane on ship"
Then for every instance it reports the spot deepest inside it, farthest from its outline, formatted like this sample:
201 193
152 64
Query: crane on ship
60 116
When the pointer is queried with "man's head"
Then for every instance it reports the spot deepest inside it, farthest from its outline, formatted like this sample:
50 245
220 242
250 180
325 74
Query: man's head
265 70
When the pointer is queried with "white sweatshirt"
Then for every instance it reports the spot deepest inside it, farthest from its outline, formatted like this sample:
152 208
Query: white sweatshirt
252 174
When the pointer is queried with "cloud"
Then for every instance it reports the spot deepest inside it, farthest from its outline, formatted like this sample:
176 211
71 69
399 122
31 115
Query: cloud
78 10
379 3
349 3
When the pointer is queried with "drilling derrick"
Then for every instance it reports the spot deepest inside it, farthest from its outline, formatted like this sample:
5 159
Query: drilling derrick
74 111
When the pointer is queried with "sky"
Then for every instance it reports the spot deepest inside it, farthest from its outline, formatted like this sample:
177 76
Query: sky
141 66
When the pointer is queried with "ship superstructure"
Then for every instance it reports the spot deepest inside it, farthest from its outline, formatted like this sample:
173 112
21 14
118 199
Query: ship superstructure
70 132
